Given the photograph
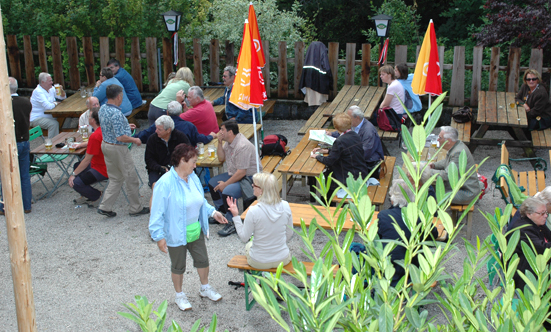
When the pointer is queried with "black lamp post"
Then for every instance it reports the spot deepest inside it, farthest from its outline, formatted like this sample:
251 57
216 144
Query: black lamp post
172 22
382 25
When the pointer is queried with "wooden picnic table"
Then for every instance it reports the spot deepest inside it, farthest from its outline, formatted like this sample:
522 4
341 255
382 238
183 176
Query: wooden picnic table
495 111
72 107
368 98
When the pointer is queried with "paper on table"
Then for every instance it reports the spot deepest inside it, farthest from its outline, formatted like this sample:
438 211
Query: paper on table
321 136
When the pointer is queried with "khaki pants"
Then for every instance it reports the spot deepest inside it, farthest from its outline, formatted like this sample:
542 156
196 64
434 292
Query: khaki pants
120 168
264 266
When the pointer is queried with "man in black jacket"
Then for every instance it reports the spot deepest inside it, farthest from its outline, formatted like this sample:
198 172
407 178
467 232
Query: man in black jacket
159 148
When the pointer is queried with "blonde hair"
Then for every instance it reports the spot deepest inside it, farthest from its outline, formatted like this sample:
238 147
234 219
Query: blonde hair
268 183
533 72
342 122
184 74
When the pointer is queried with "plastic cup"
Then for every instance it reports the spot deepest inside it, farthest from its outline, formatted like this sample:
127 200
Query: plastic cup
212 152
48 144
512 105
72 147
201 149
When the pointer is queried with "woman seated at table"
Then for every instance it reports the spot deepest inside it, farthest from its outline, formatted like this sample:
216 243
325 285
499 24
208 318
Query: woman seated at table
402 75
386 230
270 221
545 196
535 100
346 155
533 215
106 79
394 90
183 80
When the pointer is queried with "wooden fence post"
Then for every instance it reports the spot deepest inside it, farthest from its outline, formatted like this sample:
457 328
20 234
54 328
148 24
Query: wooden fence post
536 59
103 51
89 60
513 69
401 54
120 52
457 89
230 57
182 61
477 75
214 57
58 64
441 50
72 52
299 63
333 54
29 62
197 62
135 62
167 58
13 55
266 69
283 82
494 69
42 58
366 64
15 220
152 67
350 67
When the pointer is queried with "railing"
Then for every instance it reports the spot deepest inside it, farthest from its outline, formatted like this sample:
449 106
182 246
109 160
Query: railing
87 57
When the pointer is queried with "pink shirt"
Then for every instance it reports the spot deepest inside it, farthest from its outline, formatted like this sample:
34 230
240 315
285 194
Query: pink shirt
203 117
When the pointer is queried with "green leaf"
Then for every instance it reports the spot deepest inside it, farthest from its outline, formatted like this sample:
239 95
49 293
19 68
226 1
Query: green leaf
462 162
386 318
419 137
452 174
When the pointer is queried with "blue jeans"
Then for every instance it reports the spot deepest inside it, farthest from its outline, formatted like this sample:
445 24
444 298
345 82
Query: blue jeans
23 150
84 180
219 199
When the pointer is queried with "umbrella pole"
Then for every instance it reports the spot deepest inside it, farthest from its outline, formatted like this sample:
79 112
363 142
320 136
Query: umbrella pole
262 124
255 141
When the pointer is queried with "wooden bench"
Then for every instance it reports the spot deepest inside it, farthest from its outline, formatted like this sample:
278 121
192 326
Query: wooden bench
463 129
240 262
532 181
541 138
317 120
460 209
388 135
144 107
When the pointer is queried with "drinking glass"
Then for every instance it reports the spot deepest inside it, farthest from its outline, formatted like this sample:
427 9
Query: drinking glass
48 144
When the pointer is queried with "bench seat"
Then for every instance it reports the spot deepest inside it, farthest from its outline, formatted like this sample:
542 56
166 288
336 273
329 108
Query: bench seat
463 129
541 138
388 135
317 120
144 107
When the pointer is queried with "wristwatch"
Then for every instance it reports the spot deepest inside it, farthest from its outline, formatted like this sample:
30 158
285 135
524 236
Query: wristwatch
73 174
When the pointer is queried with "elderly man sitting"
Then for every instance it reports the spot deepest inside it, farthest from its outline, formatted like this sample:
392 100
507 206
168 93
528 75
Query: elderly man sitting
44 98
448 139
201 114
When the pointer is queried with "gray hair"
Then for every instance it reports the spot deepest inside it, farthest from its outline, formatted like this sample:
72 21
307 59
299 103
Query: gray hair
42 77
13 85
450 133
165 121
356 111
197 91
531 205
545 194
174 108
396 196
230 69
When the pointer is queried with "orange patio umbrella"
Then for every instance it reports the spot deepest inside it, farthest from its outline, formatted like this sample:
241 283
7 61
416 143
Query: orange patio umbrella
426 78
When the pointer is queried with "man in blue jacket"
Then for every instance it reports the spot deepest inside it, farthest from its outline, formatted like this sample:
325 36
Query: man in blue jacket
232 112
127 82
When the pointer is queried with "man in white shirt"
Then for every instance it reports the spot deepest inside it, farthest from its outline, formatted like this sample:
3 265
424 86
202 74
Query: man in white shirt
83 120
44 98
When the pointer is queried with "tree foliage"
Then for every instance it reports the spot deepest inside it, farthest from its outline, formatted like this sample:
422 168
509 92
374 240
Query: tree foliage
404 27
517 22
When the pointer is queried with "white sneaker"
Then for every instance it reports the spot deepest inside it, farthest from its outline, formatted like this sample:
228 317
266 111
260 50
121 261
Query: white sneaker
183 302
211 293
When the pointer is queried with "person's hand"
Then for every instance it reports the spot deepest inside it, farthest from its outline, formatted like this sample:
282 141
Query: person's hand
526 107
220 217
180 96
137 141
328 133
132 126
232 206
78 146
98 83
184 108
62 94
214 135
162 246
164 168
431 165
221 186
211 102
71 181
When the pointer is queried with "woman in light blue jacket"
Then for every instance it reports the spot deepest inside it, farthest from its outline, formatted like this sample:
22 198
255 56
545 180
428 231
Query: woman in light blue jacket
403 76
179 222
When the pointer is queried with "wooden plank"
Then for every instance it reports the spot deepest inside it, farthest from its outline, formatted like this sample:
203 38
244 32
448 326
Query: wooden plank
441 50
536 59
103 51
329 110
350 65
266 69
375 101
382 189
491 107
348 99
135 62
14 57
494 68
513 69
502 108
540 178
89 60
288 162
401 54
333 55
532 187
214 58
120 53
477 75
481 116
299 63
523 122
182 61
523 181
42 57
197 62
547 134
457 90
56 59
367 98
29 61
536 142
366 63
168 58
230 57
512 112
240 262
152 67
72 53
283 82
315 118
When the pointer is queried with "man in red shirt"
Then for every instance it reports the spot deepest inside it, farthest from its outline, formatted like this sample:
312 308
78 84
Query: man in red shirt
92 168
202 114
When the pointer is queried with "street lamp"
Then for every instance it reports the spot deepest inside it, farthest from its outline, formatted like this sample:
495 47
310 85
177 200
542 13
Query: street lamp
172 22
382 25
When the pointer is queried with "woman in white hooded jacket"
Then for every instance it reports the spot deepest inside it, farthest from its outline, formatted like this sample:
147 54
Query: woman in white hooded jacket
270 221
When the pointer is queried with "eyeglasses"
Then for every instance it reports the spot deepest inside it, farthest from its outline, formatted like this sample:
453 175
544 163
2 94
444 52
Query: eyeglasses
254 185
531 79
542 213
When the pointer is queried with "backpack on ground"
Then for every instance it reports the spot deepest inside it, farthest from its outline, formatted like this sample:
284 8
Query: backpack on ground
274 145
388 120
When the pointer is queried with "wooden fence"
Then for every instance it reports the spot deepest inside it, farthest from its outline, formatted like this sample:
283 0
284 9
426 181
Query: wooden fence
216 61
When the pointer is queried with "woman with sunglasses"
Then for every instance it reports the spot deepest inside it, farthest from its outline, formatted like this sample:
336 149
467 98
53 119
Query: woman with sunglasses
270 221
533 215
535 100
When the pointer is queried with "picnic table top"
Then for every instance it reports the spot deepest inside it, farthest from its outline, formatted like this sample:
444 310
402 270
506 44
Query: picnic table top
299 161
368 98
494 108
244 128
217 92
74 104
41 149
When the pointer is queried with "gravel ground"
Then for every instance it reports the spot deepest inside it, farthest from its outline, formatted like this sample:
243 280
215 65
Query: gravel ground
84 265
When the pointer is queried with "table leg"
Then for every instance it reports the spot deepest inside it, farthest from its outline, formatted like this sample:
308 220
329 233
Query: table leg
284 186
385 150
519 133
479 133
312 185
64 172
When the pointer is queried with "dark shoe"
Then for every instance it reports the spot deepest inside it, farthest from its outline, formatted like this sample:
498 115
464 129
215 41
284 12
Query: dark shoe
2 213
109 214
145 210
28 211
213 221
228 230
